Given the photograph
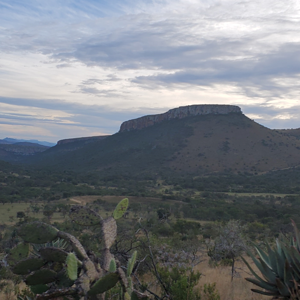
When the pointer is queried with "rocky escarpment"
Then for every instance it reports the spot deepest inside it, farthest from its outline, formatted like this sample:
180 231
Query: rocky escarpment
179 113
84 140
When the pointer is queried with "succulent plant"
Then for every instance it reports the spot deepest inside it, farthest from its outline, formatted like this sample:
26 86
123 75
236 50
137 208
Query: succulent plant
280 268
62 268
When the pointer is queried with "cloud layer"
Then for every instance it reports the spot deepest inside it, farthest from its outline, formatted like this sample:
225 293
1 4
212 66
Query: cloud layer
86 66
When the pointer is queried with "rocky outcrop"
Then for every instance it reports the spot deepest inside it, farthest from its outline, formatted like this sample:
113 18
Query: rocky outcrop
85 140
179 113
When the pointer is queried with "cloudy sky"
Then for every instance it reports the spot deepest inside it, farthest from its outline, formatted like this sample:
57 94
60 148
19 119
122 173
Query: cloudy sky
72 68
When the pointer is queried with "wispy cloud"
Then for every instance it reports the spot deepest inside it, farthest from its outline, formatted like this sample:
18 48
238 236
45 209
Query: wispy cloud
102 62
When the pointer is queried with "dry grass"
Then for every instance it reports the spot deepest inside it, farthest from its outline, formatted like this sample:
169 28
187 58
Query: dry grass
238 289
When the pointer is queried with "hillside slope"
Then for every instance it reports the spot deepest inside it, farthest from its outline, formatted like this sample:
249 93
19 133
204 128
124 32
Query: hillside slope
17 151
192 145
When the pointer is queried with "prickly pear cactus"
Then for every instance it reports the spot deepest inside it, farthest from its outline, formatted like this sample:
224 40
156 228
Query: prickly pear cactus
112 266
19 252
72 266
28 265
39 288
42 276
84 216
37 233
104 284
53 272
121 209
109 232
53 254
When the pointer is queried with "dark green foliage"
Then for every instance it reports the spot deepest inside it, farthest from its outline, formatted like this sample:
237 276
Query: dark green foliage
181 283
210 292
20 214
42 276
28 265
104 284
163 214
37 233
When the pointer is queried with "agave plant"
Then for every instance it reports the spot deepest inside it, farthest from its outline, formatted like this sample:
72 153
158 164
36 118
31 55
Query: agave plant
62 268
280 268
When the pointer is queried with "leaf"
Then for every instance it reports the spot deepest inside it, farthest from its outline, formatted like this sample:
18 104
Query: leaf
263 284
283 289
131 263
297 234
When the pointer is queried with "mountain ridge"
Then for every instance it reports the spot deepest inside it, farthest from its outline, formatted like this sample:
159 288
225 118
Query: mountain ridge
193 145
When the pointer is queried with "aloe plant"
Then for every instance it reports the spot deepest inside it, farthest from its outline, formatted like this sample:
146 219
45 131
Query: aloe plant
280 268
62 268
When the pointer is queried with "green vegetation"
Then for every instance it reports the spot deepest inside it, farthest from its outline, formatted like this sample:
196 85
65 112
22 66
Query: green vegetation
61 267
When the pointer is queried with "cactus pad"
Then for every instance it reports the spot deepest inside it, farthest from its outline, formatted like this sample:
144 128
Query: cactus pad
112 266
39 288
53 254
121 208
72 266
131 263
42 276
28 265
63 280
37 232
19 252
84 216
127 296
104 284
109 231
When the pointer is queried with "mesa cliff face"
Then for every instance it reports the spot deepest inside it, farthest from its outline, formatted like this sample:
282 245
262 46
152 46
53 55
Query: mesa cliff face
85 140
179 113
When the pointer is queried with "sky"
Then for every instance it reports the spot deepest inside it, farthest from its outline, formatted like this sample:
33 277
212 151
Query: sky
74 68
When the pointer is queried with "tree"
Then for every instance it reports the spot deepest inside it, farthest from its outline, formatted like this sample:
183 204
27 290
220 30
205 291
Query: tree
163 214
20 214
230 244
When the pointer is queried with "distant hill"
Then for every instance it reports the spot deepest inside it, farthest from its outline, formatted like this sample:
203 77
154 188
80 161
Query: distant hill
193 144
14 152
14 141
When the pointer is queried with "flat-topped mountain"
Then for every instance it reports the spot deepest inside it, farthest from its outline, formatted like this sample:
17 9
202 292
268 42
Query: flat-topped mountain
192 140
179 113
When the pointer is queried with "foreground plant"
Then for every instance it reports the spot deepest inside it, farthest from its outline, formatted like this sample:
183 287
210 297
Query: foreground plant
280 268
63 268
